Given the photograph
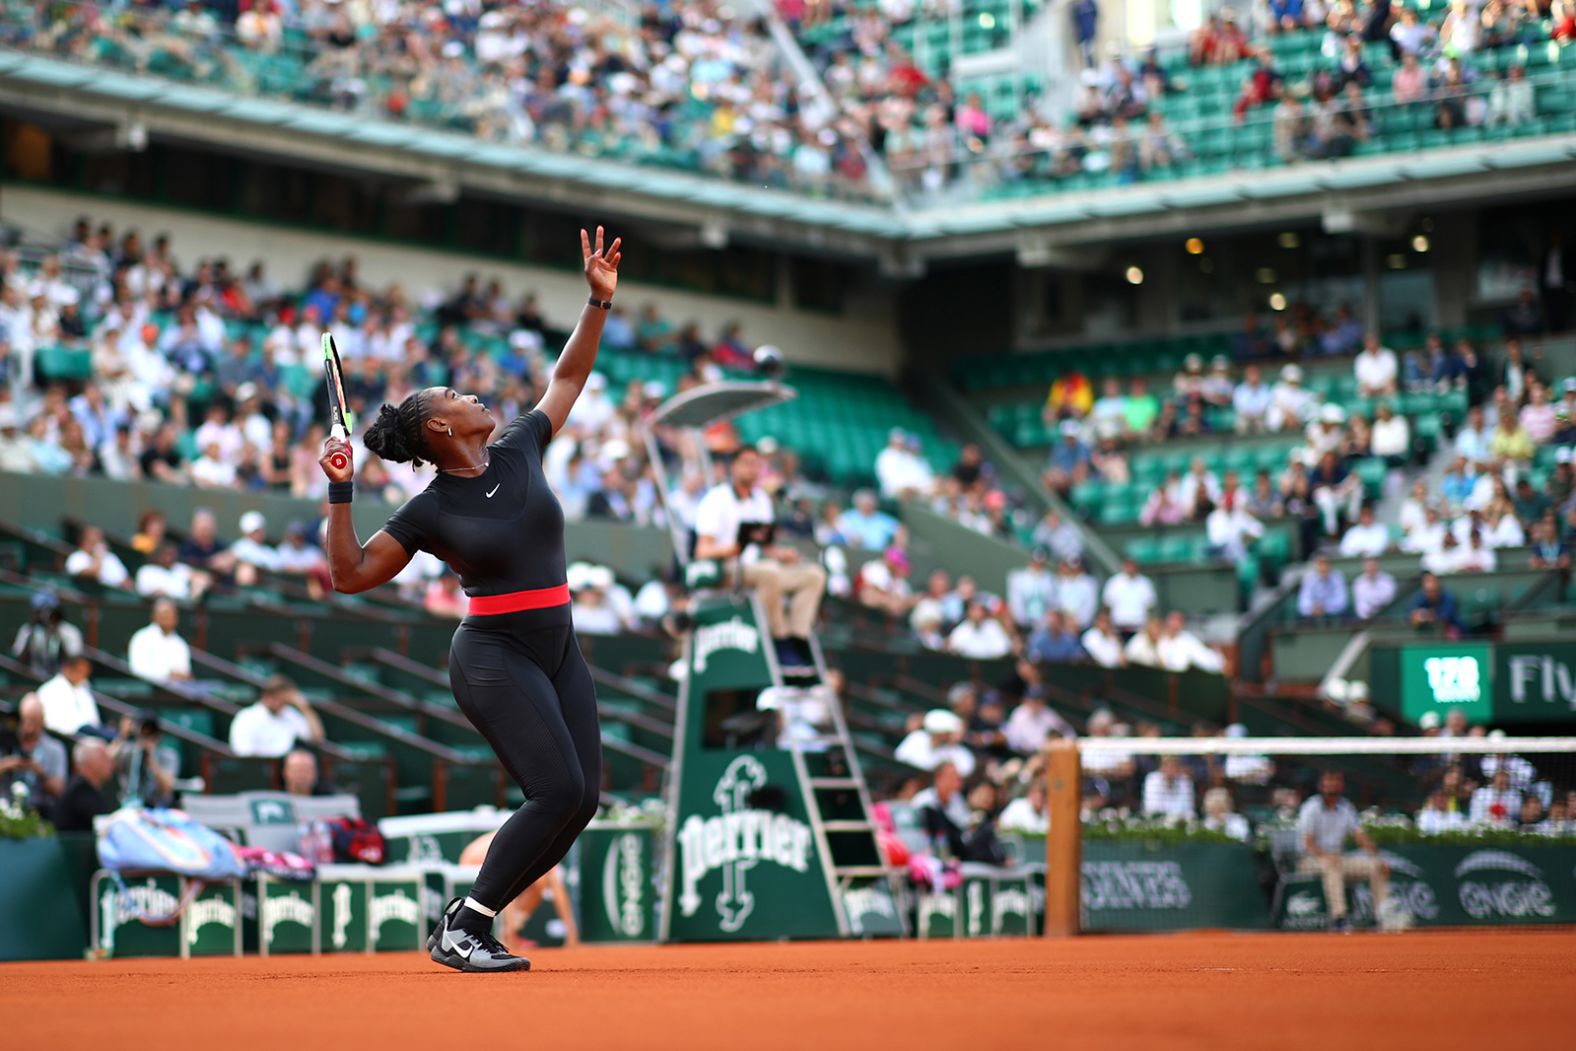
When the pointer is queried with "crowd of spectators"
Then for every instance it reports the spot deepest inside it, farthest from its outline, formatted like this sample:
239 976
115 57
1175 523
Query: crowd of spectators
699 84
703 85
129 760
1434 62
1096 436
934 136
1491 509
1492 498
991 740
194 381
981 777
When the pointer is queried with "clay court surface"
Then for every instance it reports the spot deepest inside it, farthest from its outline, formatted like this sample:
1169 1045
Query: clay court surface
1424 990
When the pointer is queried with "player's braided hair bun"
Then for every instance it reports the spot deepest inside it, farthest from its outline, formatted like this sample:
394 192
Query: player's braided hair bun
396 434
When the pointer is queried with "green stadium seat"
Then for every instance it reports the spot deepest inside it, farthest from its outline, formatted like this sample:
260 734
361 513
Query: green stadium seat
1143 549
1372 472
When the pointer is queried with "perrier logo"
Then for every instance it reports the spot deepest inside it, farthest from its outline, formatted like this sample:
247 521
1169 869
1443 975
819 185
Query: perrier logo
732 634
735 841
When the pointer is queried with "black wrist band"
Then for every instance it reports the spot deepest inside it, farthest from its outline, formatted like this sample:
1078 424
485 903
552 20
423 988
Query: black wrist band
605 304
341 492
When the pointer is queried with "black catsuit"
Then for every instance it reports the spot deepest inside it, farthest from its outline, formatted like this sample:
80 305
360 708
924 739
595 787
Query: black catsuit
518 676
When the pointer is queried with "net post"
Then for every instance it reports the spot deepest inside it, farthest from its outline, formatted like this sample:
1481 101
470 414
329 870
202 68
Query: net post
1064 841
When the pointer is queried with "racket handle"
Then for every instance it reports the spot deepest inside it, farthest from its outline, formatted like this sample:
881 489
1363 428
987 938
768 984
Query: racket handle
339 461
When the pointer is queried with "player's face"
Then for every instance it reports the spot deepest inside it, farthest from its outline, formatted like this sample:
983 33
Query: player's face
465 413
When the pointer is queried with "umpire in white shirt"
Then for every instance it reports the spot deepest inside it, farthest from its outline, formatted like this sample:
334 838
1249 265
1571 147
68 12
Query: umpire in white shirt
1324 824
790 589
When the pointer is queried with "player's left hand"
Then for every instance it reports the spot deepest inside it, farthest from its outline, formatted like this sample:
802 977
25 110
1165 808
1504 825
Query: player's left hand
601 263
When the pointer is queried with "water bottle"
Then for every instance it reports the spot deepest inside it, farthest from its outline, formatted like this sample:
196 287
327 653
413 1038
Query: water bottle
325 843
317 844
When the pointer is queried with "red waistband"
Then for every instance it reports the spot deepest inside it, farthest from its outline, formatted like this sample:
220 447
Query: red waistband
515 601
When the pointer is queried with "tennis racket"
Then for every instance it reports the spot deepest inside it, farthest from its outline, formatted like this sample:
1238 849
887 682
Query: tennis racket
338 410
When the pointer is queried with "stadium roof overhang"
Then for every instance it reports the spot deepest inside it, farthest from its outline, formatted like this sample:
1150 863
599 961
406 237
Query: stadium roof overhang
902 241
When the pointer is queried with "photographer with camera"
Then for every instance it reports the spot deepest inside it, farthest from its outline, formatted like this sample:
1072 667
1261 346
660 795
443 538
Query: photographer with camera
145 764
47 639
30 757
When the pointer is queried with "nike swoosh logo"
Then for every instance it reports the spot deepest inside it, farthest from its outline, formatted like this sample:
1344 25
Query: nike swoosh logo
494 490
462 948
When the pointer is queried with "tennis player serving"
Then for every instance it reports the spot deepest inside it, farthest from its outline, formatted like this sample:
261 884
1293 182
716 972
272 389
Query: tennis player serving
514 664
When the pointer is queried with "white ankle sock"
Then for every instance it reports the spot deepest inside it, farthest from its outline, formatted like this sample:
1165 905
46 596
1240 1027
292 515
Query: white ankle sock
476 906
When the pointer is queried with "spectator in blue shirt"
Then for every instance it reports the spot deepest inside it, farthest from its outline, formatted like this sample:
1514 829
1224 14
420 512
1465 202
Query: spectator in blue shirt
1287 14
1086 24
1069 459
1323 592
1435 609
865 524
1447 367
1344 336
1054 643
1457 483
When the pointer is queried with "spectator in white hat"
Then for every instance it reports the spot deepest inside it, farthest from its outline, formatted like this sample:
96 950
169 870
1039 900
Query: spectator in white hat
1327 433
1290 403
252 552
936 740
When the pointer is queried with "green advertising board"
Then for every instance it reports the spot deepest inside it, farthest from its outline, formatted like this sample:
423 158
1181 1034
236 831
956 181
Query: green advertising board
1453 885
1535 682
287 916
366 909
1138 885
1148 885
743 863
1501 683
988 903
143 917
43 884
617 883
1439 677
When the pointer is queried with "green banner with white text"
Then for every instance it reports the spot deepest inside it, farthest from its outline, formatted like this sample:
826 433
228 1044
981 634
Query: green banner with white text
1493 683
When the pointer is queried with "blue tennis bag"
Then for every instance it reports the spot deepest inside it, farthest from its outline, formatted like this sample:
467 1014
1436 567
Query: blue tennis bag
159 839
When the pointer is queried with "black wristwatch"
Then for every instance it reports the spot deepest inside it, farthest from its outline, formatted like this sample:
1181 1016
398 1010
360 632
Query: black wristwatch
605 304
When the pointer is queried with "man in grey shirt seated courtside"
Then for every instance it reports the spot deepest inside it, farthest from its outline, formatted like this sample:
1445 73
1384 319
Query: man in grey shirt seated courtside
1324 824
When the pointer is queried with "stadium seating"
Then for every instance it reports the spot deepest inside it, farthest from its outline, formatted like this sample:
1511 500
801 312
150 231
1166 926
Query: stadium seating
696 132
